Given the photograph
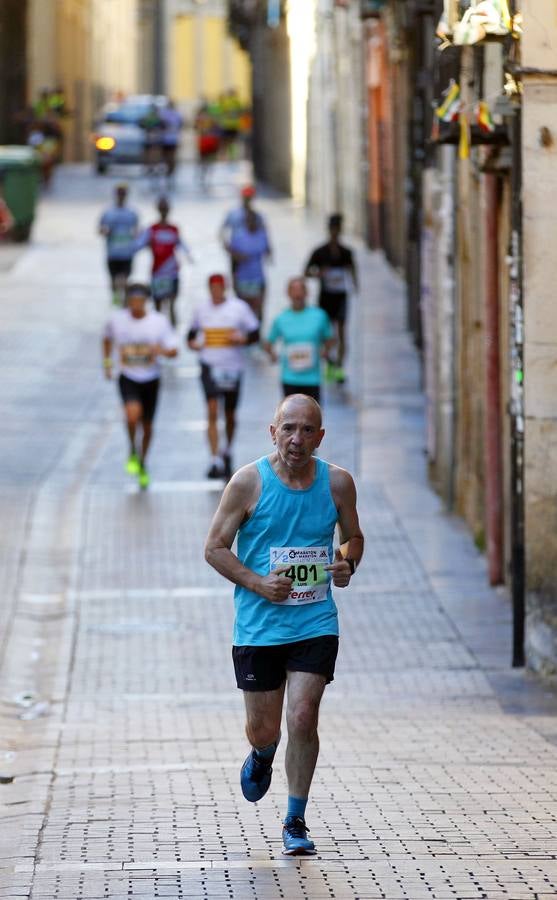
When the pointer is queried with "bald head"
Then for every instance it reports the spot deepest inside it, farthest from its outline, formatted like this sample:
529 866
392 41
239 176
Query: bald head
294 283
299 404
297 292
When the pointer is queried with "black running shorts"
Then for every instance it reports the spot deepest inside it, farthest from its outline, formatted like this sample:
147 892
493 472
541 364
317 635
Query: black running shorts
212 389
334 305
144 392
310 390
119 267
265 668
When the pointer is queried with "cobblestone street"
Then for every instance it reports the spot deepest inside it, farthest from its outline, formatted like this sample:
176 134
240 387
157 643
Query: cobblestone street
121 726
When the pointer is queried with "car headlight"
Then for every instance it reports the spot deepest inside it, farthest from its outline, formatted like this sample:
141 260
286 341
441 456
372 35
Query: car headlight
105 143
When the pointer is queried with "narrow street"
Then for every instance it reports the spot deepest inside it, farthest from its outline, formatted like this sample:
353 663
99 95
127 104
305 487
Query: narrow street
121 726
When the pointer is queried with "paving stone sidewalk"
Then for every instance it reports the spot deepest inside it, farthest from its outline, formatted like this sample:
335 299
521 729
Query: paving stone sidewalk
438 769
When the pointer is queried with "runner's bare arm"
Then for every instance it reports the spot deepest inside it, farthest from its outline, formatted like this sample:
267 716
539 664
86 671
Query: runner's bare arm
343 490
242 339
269 249
344 495
194 338
186 251
225 233
269 350
238 499
107 357
312 270
160 350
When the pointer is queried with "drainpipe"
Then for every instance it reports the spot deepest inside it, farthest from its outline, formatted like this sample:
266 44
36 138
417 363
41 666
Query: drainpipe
493 450
518 567
518 560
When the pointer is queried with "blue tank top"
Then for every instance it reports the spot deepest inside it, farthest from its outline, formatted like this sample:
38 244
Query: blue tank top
295 528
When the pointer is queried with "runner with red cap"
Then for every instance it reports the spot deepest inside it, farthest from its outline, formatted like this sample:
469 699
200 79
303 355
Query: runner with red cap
248 248
220 330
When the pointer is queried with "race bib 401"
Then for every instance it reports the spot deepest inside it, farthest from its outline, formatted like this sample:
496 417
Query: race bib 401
306 566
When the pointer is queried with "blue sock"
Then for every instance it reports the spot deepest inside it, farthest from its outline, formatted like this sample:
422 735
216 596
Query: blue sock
297 806
266 752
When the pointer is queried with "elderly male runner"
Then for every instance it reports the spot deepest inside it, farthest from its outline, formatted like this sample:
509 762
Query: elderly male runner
284 509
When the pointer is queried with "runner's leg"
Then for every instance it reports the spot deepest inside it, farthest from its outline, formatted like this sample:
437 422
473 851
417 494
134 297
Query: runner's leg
341 342
213 425
256 304
171 160
230 404
113 275
149 396
133 411
146 439
263 716
305 690
119 289
230 419
172 310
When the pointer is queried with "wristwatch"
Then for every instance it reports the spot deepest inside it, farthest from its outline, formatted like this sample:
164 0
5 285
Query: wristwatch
352 563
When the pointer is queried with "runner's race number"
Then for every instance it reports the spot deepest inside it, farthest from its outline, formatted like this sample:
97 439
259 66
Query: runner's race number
300 357
306 567
134 355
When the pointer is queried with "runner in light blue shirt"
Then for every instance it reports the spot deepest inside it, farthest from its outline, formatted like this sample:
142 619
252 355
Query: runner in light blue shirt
306 335
236 222
248 247
284 509
236 218
119 226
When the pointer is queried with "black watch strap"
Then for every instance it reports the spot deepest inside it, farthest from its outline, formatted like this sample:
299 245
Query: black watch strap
352 563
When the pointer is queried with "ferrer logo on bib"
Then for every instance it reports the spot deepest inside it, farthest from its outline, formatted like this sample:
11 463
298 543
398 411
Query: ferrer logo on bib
306 567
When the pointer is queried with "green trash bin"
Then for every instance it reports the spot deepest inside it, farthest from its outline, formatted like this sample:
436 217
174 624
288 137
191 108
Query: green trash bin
19 183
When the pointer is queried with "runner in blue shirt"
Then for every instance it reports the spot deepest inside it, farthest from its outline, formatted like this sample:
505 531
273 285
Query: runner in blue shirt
119 226
236 219
284 509
248 247
306 335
